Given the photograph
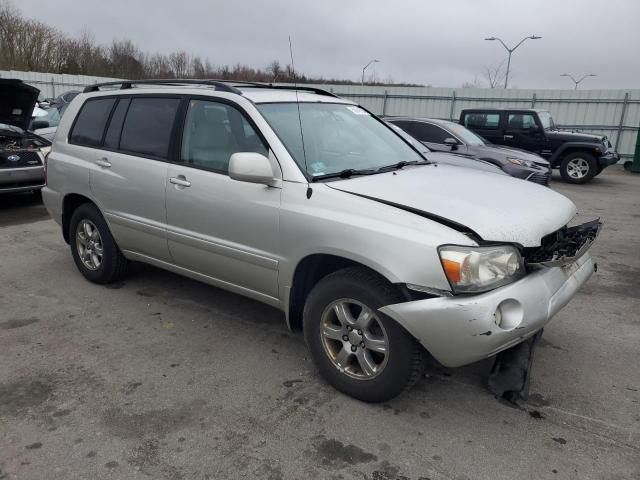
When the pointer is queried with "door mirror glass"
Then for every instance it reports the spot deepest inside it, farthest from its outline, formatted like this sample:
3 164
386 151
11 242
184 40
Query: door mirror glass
251 167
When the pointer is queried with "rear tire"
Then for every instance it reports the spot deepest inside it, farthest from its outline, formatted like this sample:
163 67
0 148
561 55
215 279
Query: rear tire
357 349
578 167
93 248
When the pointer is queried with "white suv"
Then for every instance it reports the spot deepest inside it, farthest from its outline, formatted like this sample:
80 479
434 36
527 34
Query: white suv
309 203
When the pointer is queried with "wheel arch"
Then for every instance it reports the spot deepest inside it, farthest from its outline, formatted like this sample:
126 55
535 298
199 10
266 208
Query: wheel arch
313 268
572 147
70 203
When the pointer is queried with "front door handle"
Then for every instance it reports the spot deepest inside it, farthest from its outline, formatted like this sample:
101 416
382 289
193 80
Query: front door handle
180 180
508 137
103 162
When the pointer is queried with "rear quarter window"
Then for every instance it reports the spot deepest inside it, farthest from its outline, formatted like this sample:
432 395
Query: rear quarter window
90 122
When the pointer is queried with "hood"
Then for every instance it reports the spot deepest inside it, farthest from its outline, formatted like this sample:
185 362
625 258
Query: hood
463 161
502 153
496 207
574 136
17 100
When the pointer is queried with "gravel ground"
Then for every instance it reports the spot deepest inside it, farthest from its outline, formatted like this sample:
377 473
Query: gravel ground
161 377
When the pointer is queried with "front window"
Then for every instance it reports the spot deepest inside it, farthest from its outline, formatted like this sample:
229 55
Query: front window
466 135
336 137
547 120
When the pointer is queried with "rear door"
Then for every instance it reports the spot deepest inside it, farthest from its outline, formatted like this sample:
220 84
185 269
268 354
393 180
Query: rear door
129 172
219 227
486 124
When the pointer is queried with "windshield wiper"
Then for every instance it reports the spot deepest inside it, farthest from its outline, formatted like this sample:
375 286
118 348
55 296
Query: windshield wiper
346 173
399 165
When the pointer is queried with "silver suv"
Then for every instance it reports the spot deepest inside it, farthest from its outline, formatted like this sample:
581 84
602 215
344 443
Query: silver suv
309 203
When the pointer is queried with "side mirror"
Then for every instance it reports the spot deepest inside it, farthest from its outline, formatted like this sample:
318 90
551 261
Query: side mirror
251 167
533 129
452 142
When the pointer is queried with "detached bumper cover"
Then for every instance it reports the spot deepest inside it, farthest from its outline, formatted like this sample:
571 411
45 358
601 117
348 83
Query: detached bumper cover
462 329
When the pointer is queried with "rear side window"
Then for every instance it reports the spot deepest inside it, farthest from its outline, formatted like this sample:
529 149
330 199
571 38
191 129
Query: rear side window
147 127
89 125
482 120
425 132
112 137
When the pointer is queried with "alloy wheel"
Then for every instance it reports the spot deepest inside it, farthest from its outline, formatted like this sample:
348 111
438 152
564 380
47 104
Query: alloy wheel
354 339
89 244
578 168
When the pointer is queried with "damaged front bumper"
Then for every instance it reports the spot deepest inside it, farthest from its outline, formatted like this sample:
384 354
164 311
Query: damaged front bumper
463 329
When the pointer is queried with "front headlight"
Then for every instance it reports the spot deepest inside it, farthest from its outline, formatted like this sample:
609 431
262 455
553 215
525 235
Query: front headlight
520 161
479 269
45 150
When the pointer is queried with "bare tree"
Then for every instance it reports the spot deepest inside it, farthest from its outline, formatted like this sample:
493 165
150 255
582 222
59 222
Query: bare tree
274 69
494 75
179 63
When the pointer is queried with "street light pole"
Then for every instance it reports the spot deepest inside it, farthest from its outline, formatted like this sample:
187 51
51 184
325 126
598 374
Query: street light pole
367 66
511 50
577 82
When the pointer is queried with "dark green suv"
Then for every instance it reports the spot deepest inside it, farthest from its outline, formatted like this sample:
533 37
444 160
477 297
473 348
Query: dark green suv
579 156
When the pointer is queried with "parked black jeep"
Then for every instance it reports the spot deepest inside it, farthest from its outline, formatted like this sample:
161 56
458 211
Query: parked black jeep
579 156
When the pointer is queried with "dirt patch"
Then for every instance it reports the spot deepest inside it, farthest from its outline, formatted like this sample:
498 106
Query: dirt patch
152 423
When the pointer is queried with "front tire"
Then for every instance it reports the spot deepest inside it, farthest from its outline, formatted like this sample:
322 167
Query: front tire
357 349
578 168
93 248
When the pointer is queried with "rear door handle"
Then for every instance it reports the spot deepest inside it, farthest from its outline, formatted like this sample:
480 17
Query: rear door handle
103 162
181 181
508 137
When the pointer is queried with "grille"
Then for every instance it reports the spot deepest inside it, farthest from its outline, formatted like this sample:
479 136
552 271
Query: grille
563 246
28 158
541 178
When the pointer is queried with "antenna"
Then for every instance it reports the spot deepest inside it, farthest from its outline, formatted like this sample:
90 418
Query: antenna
295 86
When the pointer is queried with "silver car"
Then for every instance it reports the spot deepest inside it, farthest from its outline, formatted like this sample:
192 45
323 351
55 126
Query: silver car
307 202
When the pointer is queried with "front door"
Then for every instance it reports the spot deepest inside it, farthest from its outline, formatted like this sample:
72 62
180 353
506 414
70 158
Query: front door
219 227
523 131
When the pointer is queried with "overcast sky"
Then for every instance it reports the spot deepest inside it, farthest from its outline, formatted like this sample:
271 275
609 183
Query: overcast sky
433 42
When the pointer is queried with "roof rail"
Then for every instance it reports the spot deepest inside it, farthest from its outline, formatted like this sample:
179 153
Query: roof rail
315 90
126 84
230 86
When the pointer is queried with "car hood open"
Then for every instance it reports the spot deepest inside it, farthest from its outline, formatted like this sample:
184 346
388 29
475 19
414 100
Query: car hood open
17 100
497 208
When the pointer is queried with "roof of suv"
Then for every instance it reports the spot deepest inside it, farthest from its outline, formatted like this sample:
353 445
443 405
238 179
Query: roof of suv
502 109
255 92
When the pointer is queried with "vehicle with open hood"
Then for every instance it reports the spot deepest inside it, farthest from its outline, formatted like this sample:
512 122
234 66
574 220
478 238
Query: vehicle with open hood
307 202
21 151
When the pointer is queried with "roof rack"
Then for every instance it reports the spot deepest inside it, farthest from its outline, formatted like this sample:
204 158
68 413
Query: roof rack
230 86
126 84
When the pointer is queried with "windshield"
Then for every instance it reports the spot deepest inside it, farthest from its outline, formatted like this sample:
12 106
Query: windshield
337 137
464 134
547 121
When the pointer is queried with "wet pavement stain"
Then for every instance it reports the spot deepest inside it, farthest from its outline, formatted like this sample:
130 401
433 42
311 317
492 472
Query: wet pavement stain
17 323
333 453
559 440
24 393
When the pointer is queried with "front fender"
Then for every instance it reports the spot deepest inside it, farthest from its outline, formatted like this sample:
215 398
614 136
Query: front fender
556 157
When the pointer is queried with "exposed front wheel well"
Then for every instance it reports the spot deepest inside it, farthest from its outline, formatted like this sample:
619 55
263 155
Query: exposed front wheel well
308 273
69 205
